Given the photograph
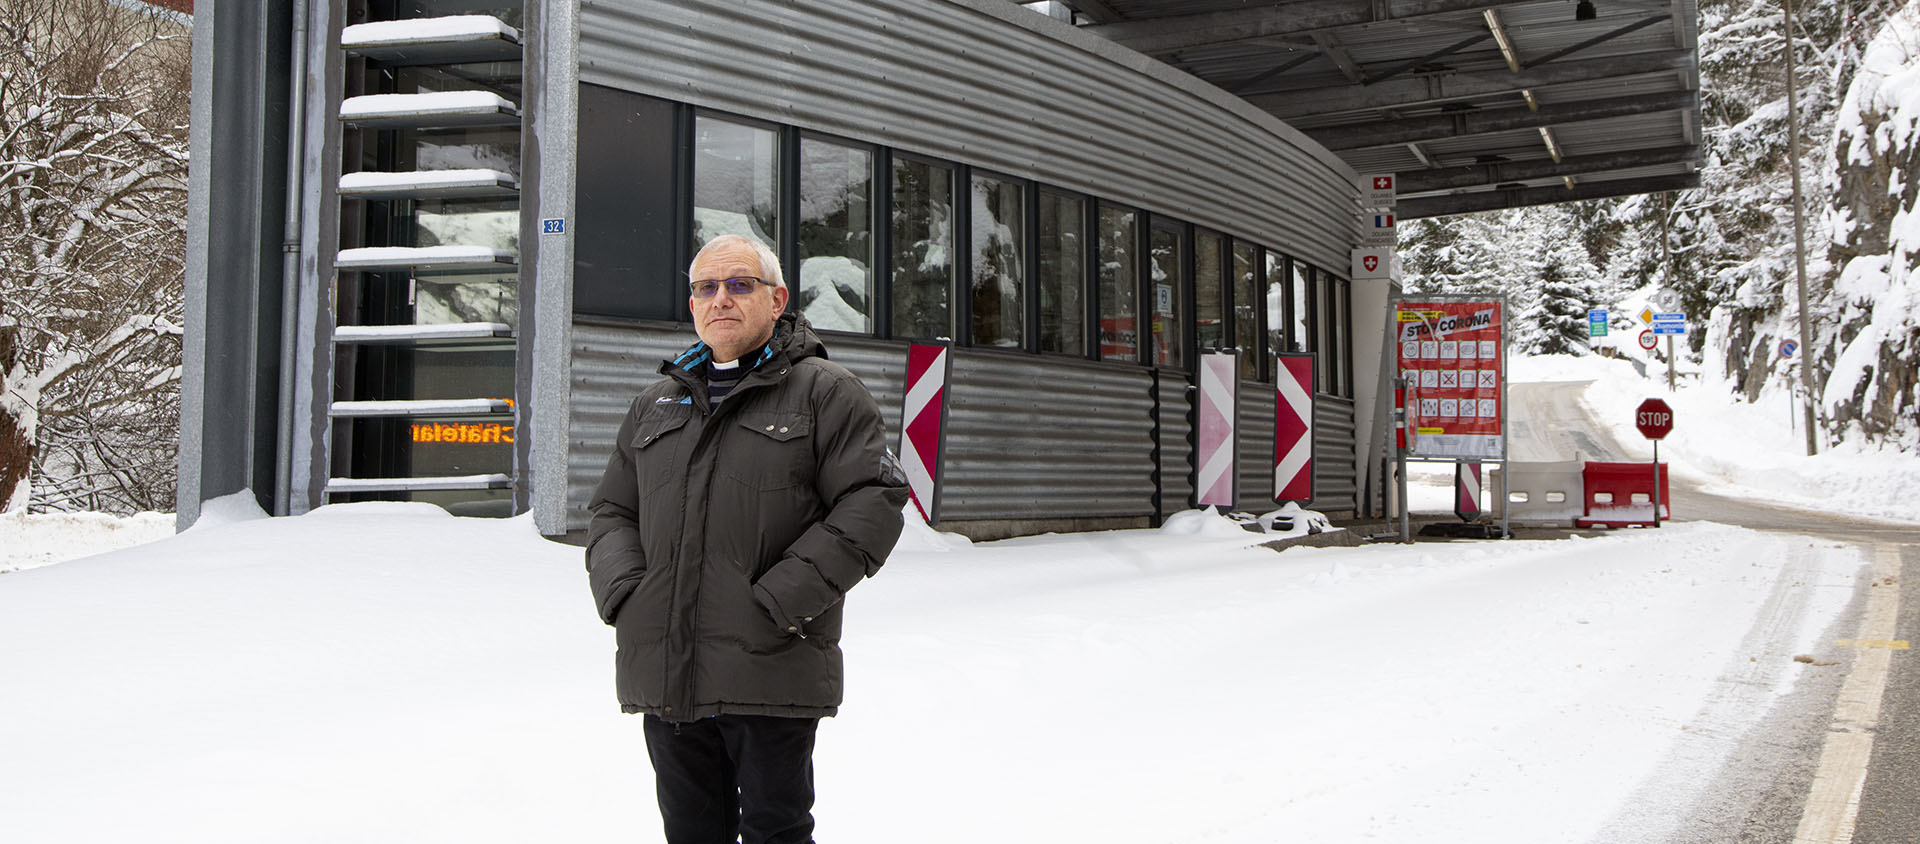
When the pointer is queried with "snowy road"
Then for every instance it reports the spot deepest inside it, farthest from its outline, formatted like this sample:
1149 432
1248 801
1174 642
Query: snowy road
1546 425
1760 791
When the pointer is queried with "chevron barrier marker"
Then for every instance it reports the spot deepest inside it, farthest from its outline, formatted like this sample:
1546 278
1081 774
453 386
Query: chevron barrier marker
1218 408
1293 429
923 419
1466 489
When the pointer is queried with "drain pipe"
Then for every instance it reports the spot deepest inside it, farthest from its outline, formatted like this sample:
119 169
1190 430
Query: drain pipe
290 262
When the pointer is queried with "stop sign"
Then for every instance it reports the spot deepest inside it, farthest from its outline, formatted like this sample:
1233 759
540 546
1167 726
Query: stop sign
1654 419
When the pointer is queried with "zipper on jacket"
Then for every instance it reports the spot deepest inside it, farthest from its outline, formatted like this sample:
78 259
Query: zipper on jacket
714 425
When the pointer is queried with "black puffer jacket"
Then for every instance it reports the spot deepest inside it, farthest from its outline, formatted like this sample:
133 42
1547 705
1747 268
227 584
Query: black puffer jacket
724 538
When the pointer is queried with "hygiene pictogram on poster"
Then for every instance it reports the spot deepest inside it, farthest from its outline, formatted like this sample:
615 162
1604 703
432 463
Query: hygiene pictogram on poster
1455 350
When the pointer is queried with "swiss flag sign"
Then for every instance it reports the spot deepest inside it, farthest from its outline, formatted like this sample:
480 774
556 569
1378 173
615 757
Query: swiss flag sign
1376 190
1374 262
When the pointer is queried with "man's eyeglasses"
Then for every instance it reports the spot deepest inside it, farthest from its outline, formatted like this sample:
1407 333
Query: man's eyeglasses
741 286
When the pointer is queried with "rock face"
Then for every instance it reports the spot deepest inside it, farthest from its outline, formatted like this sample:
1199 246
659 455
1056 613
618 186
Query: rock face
1864 262
1869 327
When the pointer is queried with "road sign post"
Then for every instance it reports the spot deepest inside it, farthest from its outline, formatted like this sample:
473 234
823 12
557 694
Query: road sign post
1669 325
1655 420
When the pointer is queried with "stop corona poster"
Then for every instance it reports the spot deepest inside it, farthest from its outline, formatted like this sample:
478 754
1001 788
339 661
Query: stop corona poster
1453 355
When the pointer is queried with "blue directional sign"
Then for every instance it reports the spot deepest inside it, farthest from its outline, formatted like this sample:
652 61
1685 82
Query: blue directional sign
1669 328
1669 318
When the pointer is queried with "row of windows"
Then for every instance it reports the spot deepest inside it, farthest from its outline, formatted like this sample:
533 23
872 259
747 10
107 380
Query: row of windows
887 243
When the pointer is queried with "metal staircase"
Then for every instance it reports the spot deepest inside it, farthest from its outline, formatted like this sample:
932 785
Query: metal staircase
377 333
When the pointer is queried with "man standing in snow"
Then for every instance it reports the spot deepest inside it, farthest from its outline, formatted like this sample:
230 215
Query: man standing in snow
746 493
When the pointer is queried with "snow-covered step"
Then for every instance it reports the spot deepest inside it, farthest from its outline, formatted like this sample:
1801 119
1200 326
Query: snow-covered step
418 407
421 334
425 258
437 109
348 485
430 184
450 40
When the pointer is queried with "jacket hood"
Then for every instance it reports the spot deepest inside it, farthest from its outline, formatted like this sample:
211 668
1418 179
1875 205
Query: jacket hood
793 337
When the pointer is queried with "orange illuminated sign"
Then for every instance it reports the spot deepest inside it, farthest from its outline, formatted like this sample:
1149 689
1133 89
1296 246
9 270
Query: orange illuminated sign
462 432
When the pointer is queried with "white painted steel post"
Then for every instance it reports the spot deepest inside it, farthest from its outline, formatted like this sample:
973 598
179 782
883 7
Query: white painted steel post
1669 363
1656 481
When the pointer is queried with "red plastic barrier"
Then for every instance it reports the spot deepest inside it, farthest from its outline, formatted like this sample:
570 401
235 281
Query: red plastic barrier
1621 495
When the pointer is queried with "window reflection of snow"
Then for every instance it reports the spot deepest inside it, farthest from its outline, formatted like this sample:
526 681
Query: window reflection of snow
999 316
736 180
836 235
922 247
830 283
446 299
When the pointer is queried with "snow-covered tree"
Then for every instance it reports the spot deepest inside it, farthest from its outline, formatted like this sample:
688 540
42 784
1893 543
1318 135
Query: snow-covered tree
1567 287
1870 327
93 160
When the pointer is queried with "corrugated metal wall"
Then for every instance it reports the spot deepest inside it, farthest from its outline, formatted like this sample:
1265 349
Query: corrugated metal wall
611 364
1028 436
1033 437
1176 441
1256 446
1336 479
991 84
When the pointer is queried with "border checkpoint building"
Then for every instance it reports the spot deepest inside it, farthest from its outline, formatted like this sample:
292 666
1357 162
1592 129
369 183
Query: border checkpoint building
436 246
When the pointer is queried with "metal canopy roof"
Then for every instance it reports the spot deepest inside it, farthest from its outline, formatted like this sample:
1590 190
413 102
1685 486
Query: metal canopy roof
1475 104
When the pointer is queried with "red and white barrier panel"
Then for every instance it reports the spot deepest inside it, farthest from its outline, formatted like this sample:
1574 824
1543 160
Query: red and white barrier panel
1621 495
1215 416
923 425
1466 489
1293 429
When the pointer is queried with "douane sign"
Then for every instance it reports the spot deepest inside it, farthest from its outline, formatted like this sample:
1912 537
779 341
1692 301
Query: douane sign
1654 419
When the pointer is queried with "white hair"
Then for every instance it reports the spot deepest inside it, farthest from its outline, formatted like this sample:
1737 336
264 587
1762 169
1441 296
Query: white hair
769 262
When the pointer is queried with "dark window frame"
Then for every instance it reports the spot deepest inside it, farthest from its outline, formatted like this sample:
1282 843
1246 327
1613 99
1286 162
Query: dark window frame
959 223
879 210
1223 259
1142 247
1183 294
1029 261
1256 346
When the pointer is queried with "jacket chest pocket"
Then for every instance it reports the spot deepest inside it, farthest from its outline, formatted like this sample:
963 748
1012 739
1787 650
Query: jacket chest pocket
773 449
654 441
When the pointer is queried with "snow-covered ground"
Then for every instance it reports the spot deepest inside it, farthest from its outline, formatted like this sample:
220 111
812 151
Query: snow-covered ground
386 672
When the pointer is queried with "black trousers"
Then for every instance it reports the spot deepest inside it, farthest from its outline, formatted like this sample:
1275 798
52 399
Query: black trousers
745 778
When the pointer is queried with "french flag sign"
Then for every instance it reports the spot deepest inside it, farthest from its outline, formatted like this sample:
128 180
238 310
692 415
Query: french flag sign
1293 429
923 420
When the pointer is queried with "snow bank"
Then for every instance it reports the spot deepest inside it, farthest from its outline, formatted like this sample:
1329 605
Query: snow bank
919 537
31 540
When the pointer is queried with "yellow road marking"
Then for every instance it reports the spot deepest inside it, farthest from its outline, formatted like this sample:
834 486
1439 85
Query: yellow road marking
1884 644
1833 801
